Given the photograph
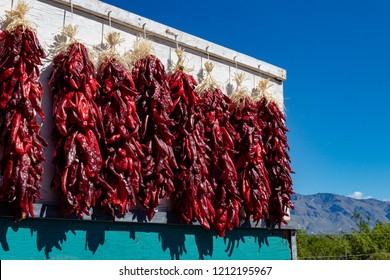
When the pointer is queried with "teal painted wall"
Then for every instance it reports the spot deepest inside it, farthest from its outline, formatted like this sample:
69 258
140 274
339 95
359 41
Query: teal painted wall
95 240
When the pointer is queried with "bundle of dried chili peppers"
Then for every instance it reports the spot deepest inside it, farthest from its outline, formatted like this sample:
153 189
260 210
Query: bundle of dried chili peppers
220 137
276 159
154 106
79 128
122 150
249 161
193 192
20 102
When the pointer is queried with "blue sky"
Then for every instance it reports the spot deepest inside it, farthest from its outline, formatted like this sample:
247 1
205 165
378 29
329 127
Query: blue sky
337 92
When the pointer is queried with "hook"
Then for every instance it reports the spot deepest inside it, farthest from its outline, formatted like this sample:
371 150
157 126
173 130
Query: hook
235 62
109 18
168 31
208 54
177 43
143 28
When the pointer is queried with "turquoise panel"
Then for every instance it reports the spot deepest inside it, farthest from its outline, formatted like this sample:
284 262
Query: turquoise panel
89 240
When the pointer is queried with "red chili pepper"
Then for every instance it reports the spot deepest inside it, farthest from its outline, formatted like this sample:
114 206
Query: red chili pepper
220 138
6 74
78 121
154 105
249 161
20 101
122 166
193 194
277 161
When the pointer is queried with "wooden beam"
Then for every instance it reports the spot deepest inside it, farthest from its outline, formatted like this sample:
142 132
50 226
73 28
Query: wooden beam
163 32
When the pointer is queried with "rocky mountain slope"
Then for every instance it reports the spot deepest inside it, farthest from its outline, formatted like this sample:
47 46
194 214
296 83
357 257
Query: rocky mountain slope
331 213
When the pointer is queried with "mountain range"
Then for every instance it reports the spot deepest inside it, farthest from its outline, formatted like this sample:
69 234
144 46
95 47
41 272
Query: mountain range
331 213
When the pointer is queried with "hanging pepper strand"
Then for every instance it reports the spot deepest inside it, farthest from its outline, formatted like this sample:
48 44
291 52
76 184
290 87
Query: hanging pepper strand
154 105
249 161
123 152
277 160
20 105
220 137
194 194
78 121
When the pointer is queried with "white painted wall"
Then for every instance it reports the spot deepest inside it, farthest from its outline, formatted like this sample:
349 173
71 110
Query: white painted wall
49 16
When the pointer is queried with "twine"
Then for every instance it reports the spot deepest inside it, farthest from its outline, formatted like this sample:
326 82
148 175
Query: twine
181 55
263 93
107 51
113 39
240 93
16 17
63 40
70 31
208 84
142 49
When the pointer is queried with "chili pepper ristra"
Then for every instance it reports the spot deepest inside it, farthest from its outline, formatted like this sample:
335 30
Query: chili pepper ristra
249 161
122 152
276 159
20 106
154 106
193 192
220 137
78 128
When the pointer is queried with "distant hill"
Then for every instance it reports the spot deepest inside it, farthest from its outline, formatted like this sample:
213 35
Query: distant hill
331 213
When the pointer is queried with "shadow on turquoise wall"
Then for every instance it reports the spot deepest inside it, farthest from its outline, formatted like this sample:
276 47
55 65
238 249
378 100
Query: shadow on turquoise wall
77 239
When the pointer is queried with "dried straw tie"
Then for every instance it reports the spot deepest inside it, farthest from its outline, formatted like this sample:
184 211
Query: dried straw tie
16 17
109 51
208 84
181 55
263 93
142 49
63 40
240 93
